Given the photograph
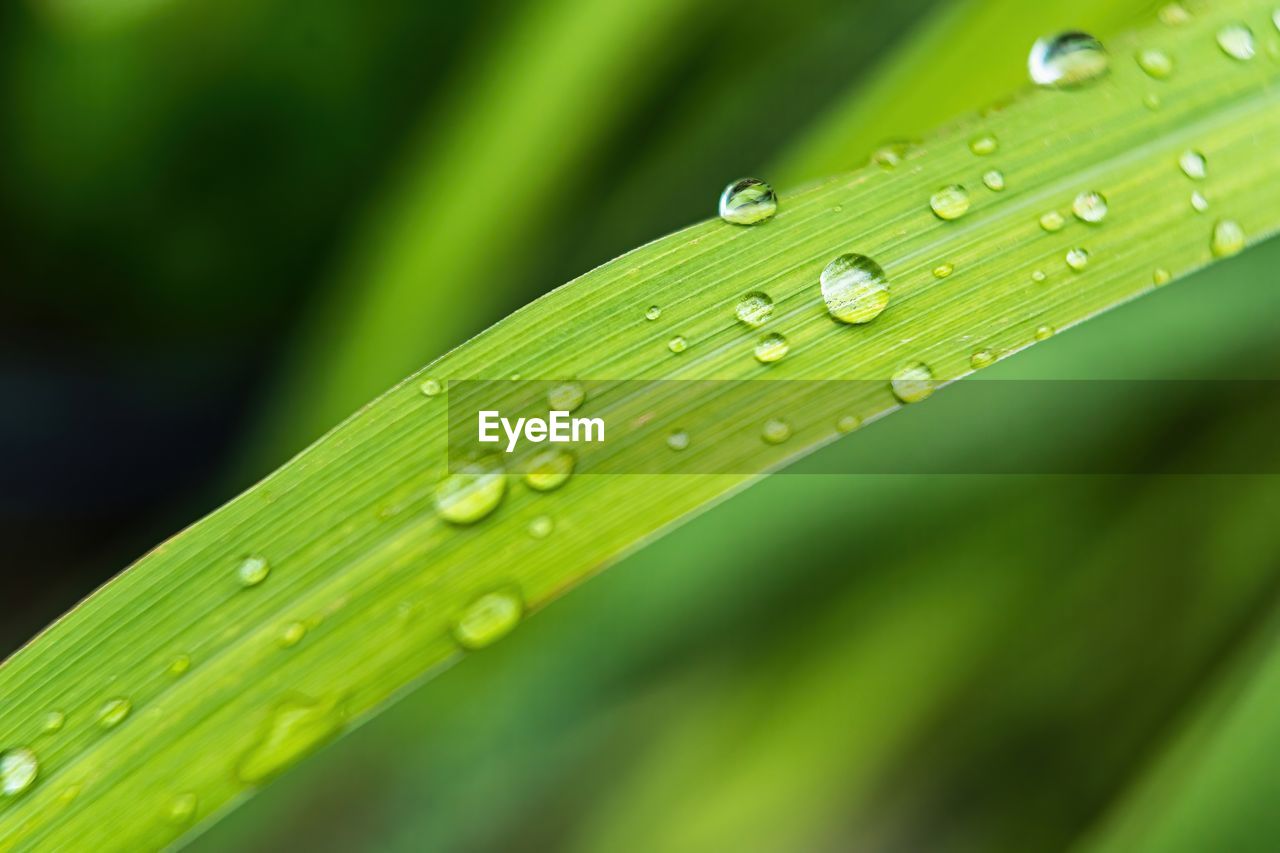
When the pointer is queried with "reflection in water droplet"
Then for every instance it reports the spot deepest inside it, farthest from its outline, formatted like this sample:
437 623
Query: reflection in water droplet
1052 221
182 810
994 180
678 440
1193 165
292 634
488 619
253 571
653 313
950 202
1067 60
677 344
18 770
748 201
855 289
1156 63
549 469
1090 207
983 145
776 431
430 387
1236 41
1077 259
912 383
771 348
113 712
847 423
53 722
982 358
754 308
1161 276
1228 238
541 527
565 397
943 270
472 493
1043 333
1198 202
293 729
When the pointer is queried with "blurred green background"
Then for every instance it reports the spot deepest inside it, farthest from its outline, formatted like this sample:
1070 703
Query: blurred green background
228 224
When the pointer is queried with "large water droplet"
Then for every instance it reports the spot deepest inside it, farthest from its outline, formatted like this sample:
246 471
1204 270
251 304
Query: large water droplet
1090 207
748 201
1052 221
950 202
472 493
182 809
488 619
18 770
113 712
1236 41
1077 259
983 145
771 348
549 469
1067 60
776 431
754 309
253 571
855 289
566 397
912 383
994 180
677 344
1193 165
1228 238
1155 62
294 728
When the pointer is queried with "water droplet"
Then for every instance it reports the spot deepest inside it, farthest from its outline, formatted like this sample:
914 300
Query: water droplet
847 423
488 619
943 270
678 440
472 493
776 431
950 202
1275 19
1156 63
292 634
1198 202
541 527
1174 15
1236 41
1228 238
182 809
1067 60
754 309
994 180
430 387
294 728
677 344
253 571
1052 221
748 201
113 712
891 154
1077 259
855 289
549 469
771 348
53 722
179 665
1038 276
983 145
1193 165
18 770
1151 101
1160 276
1090 207
982 358
1043 333
912 383
653 313
566 397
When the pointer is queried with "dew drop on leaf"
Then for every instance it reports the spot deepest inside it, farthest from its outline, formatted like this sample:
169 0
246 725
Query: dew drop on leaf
912 383
943 270
653 312
1198 202
1193 165
1052 221
1043 333
1077 259
1160 276
1156 63
754 309
1067 60
748 201
472 493
982 358
855 289
549 469
1038 276
950 202
1174 15
18 770
253 571
566 397
994 180
113 712
430 387
847 423
983 145
488 619
1236 41
891 154
1090 207
776 431
182 809
541 527
53 721
678 440
293 729
771 348
1228 238
179 665
677 344
292 634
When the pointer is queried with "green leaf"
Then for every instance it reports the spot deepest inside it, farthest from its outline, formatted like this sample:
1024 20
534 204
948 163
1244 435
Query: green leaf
358 558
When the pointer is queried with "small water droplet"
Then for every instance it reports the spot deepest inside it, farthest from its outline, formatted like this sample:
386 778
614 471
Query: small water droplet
18 770
1052 221
1038 276
677 344
748 201
488 619
1228 238
1193 165
776 431
472 493
891 154
653 313
943 270
566 397
53 722
430 387
678 440
912 383
68 794
1090 207
994 180
771 348
1151 101
1161 276
541 527
253 571
983 145
982 358
1067 60
1174 15
549 469
1155 62
294 728
179 665
1077 259
1236 41
292 634
754 309
1043 333
1198 202
182 809
950 202
848 423
855 289
113 712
